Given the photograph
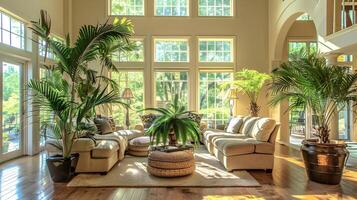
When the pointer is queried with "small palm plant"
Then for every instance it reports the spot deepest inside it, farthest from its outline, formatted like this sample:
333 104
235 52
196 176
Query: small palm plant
173 125
72 94
250 82
307 81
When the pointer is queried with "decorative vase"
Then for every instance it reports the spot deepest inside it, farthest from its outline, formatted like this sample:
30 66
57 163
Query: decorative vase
324 163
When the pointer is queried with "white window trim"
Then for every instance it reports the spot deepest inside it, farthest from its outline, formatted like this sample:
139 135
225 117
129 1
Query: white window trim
233 11
171 16
167 64
109 10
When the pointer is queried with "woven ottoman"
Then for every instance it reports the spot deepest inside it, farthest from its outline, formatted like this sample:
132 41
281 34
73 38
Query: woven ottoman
139 146
171 164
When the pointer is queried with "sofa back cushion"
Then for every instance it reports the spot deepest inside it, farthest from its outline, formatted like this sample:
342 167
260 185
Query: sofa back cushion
262 129
234 125
248 125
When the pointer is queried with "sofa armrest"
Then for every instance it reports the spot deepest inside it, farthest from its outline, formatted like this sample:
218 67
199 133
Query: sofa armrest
83 144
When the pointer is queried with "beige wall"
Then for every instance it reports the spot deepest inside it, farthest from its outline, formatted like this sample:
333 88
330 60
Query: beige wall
30 10
249 26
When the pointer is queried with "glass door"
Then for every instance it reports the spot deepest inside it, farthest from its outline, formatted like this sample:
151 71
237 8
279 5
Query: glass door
11 110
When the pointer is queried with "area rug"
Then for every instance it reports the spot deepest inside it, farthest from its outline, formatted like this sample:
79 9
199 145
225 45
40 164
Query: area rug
131 172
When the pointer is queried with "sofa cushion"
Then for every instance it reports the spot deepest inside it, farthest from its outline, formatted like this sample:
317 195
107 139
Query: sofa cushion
261 147
105 149
248 124
234 125
233 146
195 117
262 129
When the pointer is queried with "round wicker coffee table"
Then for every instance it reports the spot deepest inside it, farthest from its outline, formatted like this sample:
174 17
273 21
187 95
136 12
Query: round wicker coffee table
171 164
139 146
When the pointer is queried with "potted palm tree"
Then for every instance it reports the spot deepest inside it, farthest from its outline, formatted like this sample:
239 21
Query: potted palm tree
173 126
250 82
71 93
308 81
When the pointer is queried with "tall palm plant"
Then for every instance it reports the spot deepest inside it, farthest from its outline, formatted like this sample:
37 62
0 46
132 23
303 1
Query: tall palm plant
65 97
308 81
173 125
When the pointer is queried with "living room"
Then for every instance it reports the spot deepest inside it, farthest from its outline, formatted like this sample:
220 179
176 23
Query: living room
178 99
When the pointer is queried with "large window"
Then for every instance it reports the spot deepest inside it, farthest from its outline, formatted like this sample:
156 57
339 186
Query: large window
295 47
136 55
171 8
215 7
299 129
134 81
171 50
170 84
127 7
213 106
11 107
45 115
12 31
42 48
216 50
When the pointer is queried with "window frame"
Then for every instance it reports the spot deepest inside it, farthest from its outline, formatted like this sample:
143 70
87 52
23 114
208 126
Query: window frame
168 64
213 65
199 71
233 11
173 71
170 16
136 38
109 10
23 26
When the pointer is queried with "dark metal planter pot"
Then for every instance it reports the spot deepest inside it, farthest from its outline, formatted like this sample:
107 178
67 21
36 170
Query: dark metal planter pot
324 163
62 170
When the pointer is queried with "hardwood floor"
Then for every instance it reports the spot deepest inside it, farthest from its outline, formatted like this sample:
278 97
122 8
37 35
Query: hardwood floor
27 178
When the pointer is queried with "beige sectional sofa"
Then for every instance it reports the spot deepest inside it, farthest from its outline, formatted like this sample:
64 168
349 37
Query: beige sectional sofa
246 143
100 153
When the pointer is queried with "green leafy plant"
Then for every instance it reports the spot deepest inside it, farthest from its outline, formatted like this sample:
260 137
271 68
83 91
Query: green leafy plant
71 93
308 81
250 82
173 125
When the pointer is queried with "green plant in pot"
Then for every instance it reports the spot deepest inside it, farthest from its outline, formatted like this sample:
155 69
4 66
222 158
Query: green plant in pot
250 83
308 81
72 92
173 126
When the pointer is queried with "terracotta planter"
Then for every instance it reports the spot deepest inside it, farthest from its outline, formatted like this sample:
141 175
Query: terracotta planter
324 163
61 169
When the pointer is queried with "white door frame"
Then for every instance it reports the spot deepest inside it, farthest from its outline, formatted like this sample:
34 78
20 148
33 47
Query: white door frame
20 152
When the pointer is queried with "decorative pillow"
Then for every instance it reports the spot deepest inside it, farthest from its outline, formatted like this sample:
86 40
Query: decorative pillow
103 125
234 125
247 126
195 117
262 129
148 120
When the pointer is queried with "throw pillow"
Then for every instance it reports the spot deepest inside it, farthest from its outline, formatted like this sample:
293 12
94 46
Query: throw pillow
262 129
103 125
148 120
234 125
245 119
195 117
247 126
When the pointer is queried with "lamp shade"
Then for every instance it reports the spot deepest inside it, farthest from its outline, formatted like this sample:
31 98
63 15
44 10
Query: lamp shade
232 94
127 94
